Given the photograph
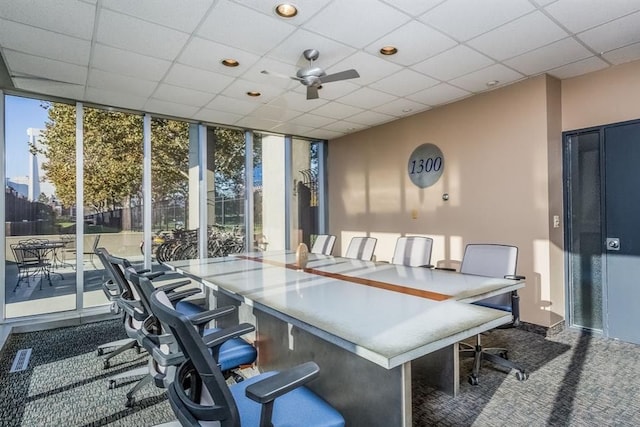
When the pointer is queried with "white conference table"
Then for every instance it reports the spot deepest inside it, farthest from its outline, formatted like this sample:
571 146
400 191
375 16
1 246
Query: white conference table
368 325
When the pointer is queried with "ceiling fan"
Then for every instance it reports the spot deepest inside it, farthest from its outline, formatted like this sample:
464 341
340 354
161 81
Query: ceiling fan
313 77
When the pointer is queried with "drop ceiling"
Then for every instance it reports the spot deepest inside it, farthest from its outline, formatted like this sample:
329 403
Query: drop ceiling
164 56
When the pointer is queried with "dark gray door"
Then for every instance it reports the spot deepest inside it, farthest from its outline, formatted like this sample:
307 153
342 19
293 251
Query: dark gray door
622 231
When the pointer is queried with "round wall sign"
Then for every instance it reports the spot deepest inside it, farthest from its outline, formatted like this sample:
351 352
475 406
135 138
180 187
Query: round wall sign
426 164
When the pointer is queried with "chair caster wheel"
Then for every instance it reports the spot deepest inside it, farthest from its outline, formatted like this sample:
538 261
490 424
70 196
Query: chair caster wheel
473 380
100 352
504 355
522 375
129 403
106 365
112 384
138 350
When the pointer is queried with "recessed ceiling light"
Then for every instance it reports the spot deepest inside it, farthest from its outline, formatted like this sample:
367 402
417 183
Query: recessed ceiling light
388 50
230 62
492 83
286 10
253 93
407 110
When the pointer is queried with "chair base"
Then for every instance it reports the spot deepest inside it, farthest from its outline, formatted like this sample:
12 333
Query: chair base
122 346
497 356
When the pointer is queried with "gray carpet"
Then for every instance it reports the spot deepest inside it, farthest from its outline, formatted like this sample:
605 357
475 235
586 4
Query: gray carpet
576 380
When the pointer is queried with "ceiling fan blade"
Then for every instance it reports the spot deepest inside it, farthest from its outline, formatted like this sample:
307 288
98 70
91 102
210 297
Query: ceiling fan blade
312 92
342 75
271 73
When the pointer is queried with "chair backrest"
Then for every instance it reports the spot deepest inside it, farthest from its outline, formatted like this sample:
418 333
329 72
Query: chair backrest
413 251
199 380
492 261
96 240
361 248
323 244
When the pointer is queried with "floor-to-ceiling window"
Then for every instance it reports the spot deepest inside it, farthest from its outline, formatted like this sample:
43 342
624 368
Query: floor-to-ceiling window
112 183
39 204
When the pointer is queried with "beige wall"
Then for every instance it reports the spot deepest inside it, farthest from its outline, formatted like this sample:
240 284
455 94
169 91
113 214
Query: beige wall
502 173
608 96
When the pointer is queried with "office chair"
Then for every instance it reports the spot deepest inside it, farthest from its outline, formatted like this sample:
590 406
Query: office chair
113 292
413 251
493 261
323 244
361 248
161 345
199 396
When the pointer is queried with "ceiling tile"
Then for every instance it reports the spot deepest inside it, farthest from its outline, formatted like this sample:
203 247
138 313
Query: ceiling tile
401 107
404 83
624 54
314 121
345 126
251 122
136 35
580 15
335 110
215 116
292 129
21 64
244 28
371 118
115 99
613 35
473 18
415 42
517 37
377 18
324 134
128 63
182 95
207 55
578 68
551 56
453 63
297 101
169 13
47 44
53 15
119 83
543 2
279 74
291 50
439 94
306 8
477 81
413 7
366 96
240 87
194 78
371 68
273 112
52 88
170 108
232 105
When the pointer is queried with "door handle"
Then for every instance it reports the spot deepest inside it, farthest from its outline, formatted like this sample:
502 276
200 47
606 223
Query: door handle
613 244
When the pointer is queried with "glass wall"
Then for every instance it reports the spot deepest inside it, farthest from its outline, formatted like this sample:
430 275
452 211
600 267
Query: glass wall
174 194
225 171
112 156
39 207
51 230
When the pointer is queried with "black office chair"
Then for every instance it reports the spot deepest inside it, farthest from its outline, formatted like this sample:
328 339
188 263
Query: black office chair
160 343
493 261
200 396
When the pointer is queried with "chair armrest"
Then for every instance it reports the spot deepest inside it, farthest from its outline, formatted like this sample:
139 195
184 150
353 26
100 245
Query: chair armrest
209 315
218 338
270 388
164 359
427 266
150 275
445 268
514 277
133 309
175 285
177 296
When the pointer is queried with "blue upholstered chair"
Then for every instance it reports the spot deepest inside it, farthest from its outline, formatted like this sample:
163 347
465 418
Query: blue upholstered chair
200 396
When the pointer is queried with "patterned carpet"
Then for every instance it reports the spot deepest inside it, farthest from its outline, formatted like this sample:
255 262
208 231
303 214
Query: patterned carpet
576 380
